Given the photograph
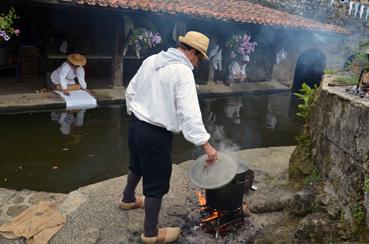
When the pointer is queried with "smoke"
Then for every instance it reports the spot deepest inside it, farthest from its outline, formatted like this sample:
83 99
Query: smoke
218 136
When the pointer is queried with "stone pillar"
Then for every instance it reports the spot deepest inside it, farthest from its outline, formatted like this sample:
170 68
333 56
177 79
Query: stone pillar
118 45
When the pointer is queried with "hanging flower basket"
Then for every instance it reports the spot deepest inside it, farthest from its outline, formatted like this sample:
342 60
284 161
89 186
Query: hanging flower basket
240 44
142 40
6 25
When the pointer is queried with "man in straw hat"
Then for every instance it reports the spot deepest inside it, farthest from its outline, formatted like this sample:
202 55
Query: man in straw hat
161 99
64 76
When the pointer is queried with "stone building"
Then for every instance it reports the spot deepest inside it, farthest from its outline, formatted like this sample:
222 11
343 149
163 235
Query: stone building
291 49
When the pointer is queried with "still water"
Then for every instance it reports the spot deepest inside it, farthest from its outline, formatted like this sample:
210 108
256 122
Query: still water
60 151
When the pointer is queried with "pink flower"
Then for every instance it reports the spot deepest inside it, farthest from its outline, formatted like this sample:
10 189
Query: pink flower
17 32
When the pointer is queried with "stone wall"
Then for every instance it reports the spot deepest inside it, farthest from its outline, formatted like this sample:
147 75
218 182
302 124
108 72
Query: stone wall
339 136
339 131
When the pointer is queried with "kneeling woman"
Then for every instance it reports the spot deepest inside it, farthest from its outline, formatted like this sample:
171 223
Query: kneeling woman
63 78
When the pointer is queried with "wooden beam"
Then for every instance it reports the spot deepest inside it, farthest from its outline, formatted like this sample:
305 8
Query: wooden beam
118 46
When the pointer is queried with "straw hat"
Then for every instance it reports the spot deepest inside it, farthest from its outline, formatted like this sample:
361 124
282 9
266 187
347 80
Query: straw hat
77 59
245 58
196 40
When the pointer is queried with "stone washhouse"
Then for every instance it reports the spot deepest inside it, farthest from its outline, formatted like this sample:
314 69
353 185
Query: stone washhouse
289 47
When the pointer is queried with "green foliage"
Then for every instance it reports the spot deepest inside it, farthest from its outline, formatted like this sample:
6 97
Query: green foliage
306 95
359 62
358 211
347 80
303 140
330 72
366 184
358 214
301 163
6 24
313 178
144 39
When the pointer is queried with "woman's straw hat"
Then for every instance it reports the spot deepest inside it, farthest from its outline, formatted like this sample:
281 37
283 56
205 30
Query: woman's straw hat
77 59
245 58
196 40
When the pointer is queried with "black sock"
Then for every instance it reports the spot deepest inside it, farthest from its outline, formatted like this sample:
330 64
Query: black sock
152 209
129 191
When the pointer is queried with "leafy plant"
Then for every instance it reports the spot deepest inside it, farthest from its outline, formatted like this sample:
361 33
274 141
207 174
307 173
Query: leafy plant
359 61
144 39
366 185
330 72
306 95
240 44
358 214
6 24
348 80
302 163
313 178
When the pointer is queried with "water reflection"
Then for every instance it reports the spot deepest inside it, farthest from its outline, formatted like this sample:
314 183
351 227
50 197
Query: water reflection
271 118
232 109
60 155
251 121
68 119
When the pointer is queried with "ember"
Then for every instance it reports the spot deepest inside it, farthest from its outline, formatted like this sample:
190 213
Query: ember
219 223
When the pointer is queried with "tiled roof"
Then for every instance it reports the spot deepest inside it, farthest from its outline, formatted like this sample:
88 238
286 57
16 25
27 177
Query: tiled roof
226 10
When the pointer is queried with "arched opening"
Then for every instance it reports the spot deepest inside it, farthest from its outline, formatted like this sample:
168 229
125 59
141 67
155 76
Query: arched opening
309 69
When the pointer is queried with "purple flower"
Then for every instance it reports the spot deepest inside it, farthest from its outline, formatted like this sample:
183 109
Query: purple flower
241 44
17 32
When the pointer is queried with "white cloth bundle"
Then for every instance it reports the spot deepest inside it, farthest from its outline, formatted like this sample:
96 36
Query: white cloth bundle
78 99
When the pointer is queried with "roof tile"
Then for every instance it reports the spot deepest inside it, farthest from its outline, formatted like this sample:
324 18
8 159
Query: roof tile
230 10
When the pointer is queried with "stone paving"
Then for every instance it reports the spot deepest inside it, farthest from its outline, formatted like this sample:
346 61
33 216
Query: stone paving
93 216
50 101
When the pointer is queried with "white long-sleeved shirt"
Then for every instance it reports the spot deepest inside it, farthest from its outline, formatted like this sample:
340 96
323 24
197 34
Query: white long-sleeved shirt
163 93
64 75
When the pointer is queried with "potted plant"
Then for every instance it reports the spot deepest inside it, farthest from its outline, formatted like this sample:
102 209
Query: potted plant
240 44
7 30
142 40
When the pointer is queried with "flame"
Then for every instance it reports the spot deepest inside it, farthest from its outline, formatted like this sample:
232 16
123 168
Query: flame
212 216
202 199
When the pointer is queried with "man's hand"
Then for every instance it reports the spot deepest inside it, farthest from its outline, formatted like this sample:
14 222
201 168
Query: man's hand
66 92
211 152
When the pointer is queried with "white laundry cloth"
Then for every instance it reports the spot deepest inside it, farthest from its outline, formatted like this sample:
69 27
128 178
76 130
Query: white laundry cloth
78 99
63 47
356 8
281 55
362 10
216 56
351 5
179 29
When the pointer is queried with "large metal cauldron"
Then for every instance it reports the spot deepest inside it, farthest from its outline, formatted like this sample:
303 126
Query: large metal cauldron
228 197
223 181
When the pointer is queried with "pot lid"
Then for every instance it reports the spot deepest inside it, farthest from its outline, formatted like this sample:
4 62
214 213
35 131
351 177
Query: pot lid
213 176
242 166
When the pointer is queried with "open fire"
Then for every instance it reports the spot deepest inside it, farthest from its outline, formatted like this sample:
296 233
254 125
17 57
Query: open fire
219 222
